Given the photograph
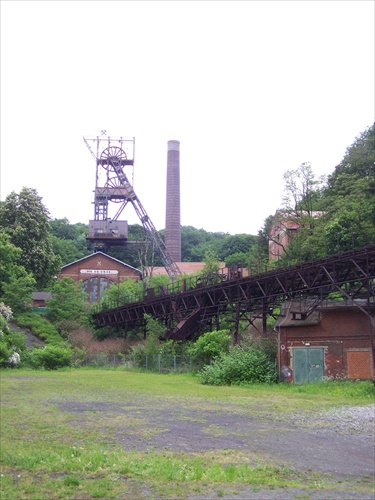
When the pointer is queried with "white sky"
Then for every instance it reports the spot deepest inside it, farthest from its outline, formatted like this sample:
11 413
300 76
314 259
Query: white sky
250 89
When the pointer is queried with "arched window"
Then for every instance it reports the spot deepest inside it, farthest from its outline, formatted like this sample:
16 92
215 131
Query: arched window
95 287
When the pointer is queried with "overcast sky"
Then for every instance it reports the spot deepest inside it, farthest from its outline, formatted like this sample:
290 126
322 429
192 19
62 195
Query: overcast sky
250 89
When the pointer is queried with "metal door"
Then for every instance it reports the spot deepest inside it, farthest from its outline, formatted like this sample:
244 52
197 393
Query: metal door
308 364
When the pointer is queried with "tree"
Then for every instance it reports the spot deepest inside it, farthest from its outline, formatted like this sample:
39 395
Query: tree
16 284
68 301
240 258
69 240
350 197
125 292
302 191
211 263
26 220
234 244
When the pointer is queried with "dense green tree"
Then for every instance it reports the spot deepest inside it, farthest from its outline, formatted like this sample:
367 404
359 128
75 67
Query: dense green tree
211 263
66 250
346 205
234 244
350 197
68 301
125 292
16 284
195 243
69 240
240 258
26 220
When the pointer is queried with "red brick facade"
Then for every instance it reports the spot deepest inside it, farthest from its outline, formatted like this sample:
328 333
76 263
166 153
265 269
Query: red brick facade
97 271
343 333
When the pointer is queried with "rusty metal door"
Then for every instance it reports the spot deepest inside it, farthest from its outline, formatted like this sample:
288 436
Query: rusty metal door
308 364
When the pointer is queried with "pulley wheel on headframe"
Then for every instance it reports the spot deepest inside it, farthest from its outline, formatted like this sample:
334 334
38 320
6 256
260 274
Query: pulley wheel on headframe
112 158
113 183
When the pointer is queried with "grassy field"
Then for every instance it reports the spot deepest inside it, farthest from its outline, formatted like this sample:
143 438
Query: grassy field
45 454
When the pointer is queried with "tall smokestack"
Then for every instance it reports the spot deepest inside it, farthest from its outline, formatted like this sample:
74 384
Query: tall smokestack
172 216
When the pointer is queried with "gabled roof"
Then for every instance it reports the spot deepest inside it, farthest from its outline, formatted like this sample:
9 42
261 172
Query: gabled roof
41 295
103 255
292 311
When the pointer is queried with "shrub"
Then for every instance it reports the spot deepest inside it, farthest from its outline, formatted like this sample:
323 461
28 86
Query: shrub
5 353
237 367
12 344
68 301
209 346
51 357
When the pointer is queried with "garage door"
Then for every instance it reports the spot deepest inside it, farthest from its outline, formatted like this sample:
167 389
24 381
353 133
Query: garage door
308 364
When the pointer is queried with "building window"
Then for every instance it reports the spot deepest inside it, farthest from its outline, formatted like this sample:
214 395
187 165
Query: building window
95 288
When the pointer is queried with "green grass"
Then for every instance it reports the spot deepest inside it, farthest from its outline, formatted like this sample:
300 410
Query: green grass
45 454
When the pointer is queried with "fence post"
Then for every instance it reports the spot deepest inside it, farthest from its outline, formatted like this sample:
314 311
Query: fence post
174 362
159 357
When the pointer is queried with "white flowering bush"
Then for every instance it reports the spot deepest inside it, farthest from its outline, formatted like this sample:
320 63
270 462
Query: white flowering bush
12 344
6 311
14 359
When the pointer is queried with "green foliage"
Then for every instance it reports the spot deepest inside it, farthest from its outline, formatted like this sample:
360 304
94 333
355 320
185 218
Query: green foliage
68 301
236 245
302 190
210 345
238 367
15 281
154 330
10 342
211 263
125 292
346 203
69 240
5 352
40 327
26 220
51 357
240 258
18 292
196 243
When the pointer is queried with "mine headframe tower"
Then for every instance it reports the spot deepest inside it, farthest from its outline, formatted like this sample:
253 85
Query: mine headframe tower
114 158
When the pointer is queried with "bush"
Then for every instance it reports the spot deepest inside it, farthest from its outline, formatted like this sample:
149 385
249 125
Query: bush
50 357
239 366
5 353
209 346
12 344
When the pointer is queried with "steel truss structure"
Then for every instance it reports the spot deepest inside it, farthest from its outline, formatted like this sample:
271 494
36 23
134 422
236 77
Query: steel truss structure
113 156
205 301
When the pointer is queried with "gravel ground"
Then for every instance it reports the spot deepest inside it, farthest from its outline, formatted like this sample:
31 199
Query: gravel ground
339 442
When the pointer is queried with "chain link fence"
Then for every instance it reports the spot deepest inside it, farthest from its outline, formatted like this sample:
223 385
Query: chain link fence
161 363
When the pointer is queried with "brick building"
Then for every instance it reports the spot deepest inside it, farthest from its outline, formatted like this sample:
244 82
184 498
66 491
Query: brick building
334 341
283 227
97 271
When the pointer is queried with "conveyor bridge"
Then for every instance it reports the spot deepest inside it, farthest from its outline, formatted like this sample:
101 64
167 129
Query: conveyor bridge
188 304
